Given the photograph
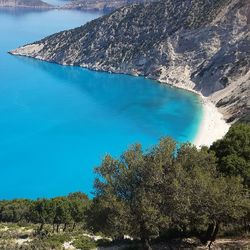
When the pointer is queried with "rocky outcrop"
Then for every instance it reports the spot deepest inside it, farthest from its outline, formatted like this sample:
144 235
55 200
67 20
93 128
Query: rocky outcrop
101 5
201 45
24 4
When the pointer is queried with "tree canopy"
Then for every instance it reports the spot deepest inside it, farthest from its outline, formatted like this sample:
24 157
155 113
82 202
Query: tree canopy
233 152
164 188
149 194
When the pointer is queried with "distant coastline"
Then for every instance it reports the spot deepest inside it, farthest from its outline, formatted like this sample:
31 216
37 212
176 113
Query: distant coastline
34 4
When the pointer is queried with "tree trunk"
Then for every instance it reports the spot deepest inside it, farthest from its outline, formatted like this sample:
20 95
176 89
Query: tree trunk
214 234
145 244
74 226
144 237
41 227
57 228
204 238
216 230
245 225
65 227
53 230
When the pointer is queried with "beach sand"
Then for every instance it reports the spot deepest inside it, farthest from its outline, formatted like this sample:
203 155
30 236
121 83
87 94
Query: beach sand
212 127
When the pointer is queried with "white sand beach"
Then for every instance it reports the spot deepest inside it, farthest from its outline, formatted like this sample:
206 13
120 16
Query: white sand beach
212 127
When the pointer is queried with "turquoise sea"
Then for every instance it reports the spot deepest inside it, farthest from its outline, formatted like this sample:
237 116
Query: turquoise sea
57 122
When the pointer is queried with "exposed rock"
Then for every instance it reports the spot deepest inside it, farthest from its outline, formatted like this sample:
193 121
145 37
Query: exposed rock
203 45
24 4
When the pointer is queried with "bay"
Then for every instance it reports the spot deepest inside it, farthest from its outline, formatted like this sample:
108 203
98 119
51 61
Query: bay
57 122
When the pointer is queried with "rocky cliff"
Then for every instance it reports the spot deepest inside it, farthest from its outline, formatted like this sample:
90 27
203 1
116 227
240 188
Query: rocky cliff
24 4
203 45
101 5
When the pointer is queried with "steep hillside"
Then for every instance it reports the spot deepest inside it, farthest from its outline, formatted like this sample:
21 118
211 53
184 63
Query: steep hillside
202 45
24 3
101 5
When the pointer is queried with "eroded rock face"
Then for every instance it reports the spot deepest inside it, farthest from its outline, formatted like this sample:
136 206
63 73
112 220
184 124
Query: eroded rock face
24 4
202 45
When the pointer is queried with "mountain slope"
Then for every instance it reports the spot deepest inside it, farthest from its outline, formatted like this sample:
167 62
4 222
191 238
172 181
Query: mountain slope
24 3
202 45
101 5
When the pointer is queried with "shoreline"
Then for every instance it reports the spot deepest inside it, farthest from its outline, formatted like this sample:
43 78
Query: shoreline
212 125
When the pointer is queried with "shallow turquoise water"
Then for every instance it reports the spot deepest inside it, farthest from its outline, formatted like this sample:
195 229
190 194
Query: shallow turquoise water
57 122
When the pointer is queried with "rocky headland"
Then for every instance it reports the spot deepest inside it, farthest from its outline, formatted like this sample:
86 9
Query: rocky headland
199 45
24 4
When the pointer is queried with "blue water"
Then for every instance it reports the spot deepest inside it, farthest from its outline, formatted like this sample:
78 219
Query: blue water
56 2
57 122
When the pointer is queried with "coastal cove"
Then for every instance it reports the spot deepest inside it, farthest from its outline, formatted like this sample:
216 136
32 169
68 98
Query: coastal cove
57 122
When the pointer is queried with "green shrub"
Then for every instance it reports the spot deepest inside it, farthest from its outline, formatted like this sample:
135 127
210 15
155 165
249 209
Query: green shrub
54 241
60 238
43 244
84 243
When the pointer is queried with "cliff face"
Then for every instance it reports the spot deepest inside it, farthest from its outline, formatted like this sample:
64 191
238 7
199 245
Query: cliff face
24 4
101 5
202 45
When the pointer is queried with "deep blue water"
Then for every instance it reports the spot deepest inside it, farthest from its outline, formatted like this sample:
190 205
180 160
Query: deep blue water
57 122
